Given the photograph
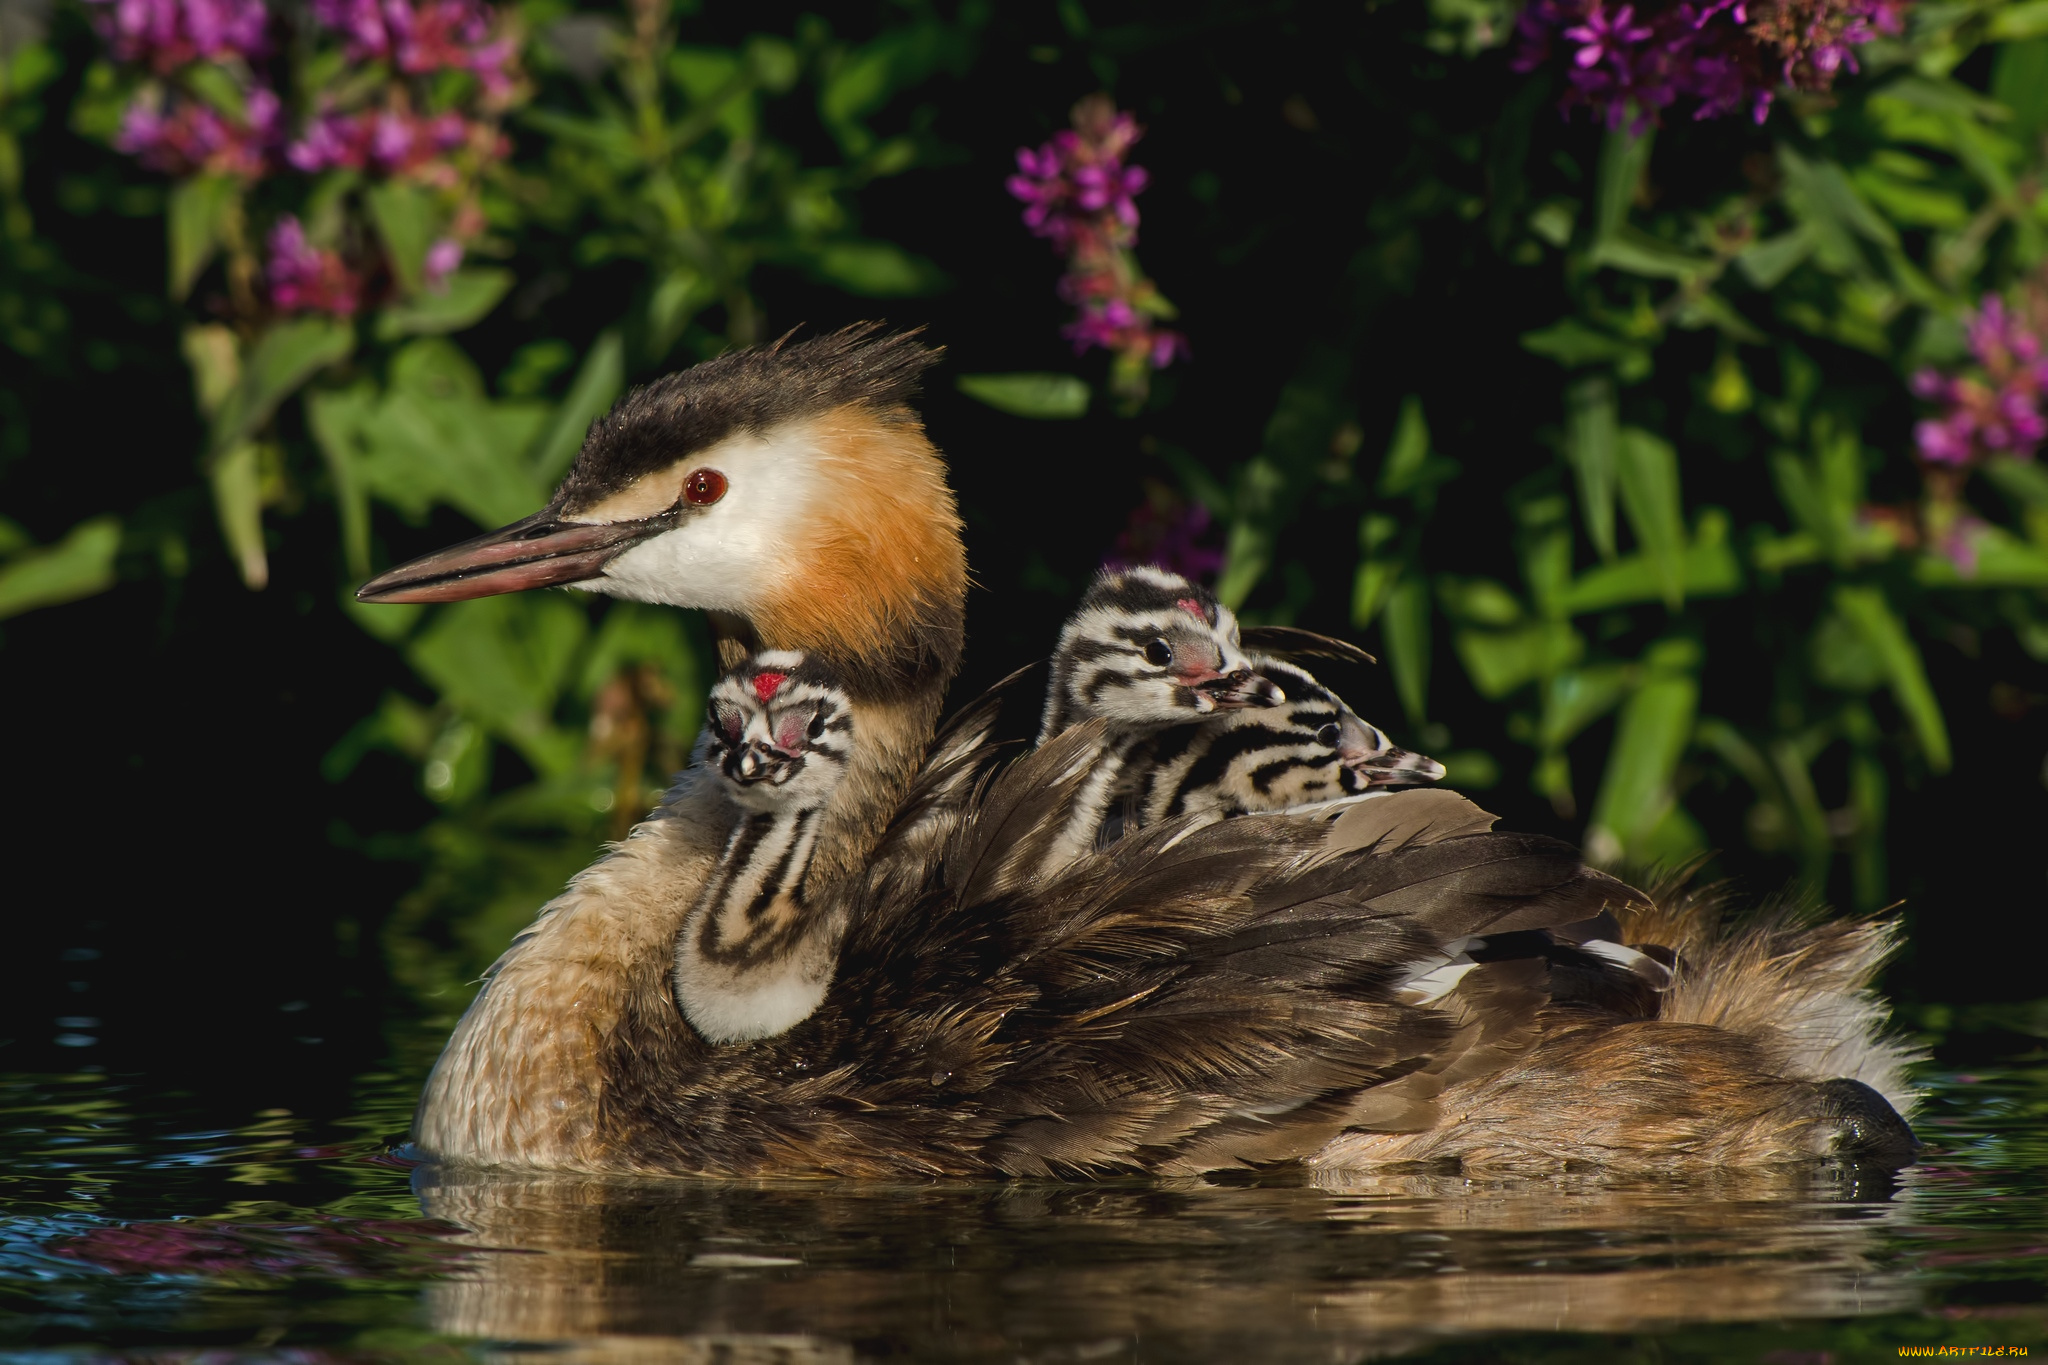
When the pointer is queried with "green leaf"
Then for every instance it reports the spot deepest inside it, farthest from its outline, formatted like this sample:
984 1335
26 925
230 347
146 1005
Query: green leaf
1843 658
1638 253
336 420
858 86
196 215
505 661
2019 79
1576 697
215 358
1048 397
1821 197
1500 661
1590 442
1572 343
462 301
2025 21
598 383
1656 724
1405 632
405 221
1623 158
1377 573
2024 481
2003 560
1407 450
235 478
1647 471
1867 609
281 360
1479 602
879 270
1767 262
435 438
79 565
1910 204
216 87
773 62
1710 570
1248 552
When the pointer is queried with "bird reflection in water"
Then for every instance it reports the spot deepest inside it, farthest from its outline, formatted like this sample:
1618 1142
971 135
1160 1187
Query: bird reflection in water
806 1272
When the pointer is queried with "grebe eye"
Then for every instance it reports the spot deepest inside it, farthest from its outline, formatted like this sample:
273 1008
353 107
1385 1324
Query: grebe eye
703 487
1158 653
817 725
1329 735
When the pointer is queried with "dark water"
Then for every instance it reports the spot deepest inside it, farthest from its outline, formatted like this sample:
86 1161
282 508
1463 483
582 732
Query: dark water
142 1225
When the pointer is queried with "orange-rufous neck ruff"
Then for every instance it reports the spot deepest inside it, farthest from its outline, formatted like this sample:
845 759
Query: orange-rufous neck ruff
876 579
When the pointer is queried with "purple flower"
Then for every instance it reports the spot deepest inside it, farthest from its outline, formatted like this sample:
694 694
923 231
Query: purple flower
168 34
1633 62
434 35
1998 409
180 136
1960 542
306 278
1079 193
1171 532
442 258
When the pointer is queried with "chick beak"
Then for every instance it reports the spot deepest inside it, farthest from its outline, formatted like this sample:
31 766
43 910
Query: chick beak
1235 690
1367 752
541 551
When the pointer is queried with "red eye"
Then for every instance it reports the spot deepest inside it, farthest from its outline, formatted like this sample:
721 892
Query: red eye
703 487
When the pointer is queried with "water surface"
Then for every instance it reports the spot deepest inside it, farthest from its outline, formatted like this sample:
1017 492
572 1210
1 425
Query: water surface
141 1225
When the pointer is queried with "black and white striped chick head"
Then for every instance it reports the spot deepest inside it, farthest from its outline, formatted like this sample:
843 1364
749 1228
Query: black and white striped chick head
1310 749
1148 649
778 733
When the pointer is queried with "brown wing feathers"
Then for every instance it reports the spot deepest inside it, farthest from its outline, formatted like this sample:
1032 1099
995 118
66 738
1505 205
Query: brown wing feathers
1179 1002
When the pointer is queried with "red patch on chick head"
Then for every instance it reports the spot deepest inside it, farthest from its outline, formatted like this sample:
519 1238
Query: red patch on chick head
766 685
1194 609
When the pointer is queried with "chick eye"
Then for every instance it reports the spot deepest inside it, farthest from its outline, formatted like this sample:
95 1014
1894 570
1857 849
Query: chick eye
1158 653
817 725
1329 735
703 487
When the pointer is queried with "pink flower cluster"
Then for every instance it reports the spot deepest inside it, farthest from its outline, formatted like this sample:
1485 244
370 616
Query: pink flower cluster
1079 194
1630 62
168 128
1997 412
180 136
167 34
435 35
385 140
308 278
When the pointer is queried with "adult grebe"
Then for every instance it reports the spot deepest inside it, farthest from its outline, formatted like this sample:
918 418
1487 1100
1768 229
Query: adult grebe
1398 982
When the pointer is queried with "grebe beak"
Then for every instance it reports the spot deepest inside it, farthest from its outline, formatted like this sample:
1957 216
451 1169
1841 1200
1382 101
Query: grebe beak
1366 751
540 551
1238 689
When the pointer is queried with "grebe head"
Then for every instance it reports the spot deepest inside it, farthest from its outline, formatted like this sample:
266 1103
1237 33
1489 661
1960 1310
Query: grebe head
786 488
1339 740
778 733
1148 648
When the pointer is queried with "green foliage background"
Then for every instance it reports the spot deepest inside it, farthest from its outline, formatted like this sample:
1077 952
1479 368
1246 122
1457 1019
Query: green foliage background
1574 428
